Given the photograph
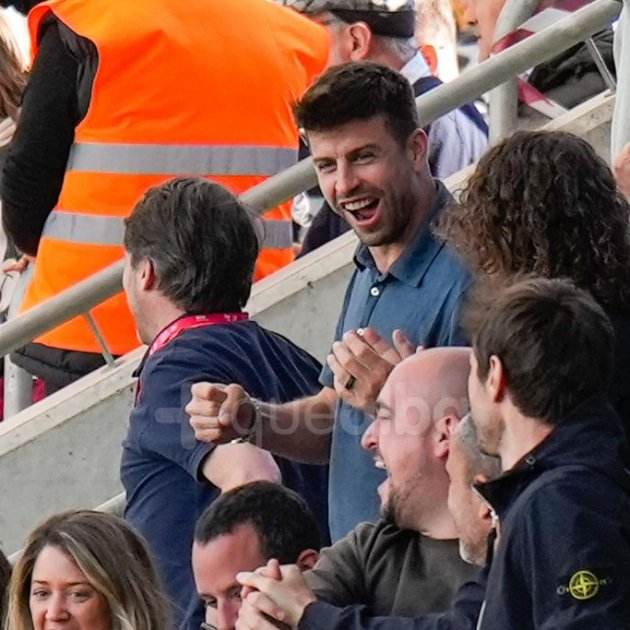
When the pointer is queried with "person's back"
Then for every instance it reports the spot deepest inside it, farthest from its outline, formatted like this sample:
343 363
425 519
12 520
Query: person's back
579 473
160 457
191 251
162 90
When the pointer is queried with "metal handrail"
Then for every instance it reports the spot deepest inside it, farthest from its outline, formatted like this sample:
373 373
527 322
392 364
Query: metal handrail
503 100
503 107
538 48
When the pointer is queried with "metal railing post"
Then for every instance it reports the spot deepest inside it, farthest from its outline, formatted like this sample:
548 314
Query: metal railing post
18 383
503 109
18 388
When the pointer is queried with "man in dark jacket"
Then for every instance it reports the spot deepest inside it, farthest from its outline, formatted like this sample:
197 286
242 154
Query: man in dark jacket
542 364
541 367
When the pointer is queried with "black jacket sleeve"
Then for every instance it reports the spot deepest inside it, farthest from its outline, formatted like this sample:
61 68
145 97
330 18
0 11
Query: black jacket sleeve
36 163
463 614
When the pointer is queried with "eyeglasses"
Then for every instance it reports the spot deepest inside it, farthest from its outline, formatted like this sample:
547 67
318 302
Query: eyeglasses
207 626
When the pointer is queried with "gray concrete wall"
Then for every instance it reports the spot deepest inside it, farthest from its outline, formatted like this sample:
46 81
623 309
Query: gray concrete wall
64 452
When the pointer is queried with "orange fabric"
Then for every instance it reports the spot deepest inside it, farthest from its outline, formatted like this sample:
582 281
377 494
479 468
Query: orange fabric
196 73
430 56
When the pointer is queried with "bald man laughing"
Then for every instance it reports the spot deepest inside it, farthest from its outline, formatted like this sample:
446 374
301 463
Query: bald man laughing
408 562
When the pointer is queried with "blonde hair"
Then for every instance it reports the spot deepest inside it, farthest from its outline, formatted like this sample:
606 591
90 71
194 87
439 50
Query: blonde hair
114 559
12 75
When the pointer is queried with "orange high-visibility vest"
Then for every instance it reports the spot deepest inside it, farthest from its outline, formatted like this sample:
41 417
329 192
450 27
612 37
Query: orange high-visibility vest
197 88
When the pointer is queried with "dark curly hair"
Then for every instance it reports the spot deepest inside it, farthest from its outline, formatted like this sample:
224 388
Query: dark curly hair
544 203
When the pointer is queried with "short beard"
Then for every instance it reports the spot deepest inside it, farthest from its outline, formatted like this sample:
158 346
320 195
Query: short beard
391 510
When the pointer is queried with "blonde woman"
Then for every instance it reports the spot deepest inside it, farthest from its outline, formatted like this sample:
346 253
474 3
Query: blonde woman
85 571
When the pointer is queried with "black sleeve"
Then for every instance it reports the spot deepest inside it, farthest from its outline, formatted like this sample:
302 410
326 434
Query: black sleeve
36 163
463 614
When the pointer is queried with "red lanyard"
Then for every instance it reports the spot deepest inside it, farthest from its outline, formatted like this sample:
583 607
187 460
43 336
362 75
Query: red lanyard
175 329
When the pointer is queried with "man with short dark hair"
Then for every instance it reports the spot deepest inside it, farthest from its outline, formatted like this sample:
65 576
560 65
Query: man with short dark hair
361 124
190 254
241 531
540 372
384 32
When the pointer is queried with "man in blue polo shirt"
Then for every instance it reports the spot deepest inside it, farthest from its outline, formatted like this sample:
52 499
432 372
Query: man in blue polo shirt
361 125
191 249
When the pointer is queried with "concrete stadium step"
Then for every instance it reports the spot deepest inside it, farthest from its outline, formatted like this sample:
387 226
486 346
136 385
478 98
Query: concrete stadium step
64 451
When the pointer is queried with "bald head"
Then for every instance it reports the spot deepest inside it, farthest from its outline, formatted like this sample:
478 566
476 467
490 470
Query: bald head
433 381
417 409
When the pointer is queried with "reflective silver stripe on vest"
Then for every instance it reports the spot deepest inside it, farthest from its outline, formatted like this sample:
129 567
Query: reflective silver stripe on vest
149 159
84 228
98 230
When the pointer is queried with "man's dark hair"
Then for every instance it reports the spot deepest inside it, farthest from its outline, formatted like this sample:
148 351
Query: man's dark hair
200 239
554 341
359 91
544 203
283 521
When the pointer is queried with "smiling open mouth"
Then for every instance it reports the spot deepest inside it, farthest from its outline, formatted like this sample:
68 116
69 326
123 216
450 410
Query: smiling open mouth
362 209
379 463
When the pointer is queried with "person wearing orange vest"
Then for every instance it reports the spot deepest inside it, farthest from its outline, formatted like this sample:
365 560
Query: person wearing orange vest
123 96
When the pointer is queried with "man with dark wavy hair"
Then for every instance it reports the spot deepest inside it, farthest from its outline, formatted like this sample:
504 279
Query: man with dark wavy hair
544 203
190 253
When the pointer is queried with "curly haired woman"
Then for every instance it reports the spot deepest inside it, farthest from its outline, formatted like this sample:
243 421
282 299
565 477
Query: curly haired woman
544 203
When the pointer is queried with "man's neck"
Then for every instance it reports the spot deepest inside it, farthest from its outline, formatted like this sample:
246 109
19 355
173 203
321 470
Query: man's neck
386 255
163 313
522 434
439 525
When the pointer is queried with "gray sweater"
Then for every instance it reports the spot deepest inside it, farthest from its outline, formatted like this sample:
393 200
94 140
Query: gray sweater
391 571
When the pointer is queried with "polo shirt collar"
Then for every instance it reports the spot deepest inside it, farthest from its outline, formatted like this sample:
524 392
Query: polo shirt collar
416 259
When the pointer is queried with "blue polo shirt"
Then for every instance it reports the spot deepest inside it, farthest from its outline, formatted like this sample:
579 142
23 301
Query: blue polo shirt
421 294
162 461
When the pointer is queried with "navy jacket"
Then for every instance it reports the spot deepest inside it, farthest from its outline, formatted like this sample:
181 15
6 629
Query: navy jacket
462 615
563 558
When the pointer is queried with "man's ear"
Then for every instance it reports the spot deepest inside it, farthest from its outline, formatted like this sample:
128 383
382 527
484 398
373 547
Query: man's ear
417 145
444 429
146 274
495 382
359 40
307 559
